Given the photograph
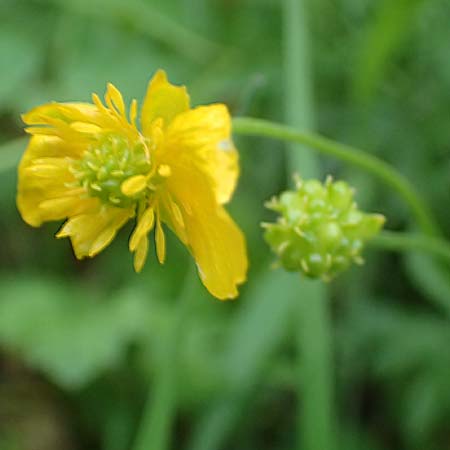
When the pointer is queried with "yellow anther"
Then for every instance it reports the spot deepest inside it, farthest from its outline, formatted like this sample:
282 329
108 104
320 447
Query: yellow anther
134 185
92 166
164 170
96 187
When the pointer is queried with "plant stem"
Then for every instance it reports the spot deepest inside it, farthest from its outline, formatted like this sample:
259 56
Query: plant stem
315 378
377 167
155 427
315 428
299 99
397 241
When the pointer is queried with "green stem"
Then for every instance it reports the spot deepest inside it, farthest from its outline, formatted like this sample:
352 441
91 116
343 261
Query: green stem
299 101
156 424
401 242
315 378
315 425
386 173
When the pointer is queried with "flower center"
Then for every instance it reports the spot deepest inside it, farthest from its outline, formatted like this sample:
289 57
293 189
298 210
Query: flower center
107 163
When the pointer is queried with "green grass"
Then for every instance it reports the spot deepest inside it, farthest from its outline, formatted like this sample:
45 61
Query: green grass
94 356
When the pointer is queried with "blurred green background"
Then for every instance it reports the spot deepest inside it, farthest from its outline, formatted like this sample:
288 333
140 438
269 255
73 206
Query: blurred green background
82 344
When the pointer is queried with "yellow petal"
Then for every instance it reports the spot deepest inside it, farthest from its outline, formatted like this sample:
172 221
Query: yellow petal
66 112
140 255
133 185
114 99
171 215
160 242
177 216
162 100
55 119
48 170
87 128
144 226
202 136
214 240
44 175
63 206
80 121
133 112
218 247
50 147
91 233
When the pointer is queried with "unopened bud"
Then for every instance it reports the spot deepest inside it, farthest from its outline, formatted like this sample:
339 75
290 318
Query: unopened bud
320 230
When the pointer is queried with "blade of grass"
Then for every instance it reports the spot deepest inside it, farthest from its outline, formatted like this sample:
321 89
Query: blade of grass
315 378
298 86
255 335
156 425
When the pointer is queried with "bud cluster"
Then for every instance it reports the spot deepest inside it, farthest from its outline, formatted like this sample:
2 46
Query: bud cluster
320 231
106 164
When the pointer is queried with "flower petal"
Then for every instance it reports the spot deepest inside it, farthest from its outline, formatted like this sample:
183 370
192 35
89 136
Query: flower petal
214 240
218 247
65 112
144 226
202 136
160 239
91 233
114 100
139 241
171 215
140 256
81 121
42 196
162 100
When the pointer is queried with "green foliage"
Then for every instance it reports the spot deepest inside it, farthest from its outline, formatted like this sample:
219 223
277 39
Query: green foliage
404 350
89 338
66 333
21 55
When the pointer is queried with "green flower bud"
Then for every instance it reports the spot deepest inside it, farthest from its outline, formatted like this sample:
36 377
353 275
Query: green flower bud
320 230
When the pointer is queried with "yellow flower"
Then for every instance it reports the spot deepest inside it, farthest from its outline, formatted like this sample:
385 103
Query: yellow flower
90 164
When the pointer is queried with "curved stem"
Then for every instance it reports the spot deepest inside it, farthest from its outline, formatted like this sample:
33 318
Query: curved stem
397 241
386 173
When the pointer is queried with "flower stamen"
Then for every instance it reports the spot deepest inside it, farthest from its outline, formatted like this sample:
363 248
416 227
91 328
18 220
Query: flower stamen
113 169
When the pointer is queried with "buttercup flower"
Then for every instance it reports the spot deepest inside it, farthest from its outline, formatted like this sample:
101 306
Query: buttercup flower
91 164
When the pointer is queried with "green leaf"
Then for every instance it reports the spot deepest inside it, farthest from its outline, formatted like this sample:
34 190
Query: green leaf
66 332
